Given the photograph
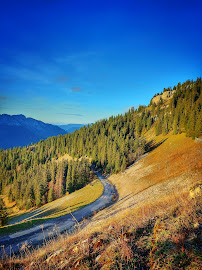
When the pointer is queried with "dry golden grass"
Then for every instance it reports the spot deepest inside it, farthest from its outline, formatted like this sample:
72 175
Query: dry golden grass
174 157
66 157
162 235
69 158
11 206
151 178
154 225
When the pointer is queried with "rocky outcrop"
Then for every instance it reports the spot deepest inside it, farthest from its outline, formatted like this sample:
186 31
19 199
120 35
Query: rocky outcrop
165 96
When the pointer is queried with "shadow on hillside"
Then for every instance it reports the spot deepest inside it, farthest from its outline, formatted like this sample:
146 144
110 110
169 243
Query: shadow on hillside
46 211
151 145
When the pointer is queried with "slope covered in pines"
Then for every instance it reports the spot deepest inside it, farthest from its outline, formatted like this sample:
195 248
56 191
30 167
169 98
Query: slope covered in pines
32 176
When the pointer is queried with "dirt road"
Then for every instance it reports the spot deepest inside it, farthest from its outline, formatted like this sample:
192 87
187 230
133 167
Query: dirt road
35 235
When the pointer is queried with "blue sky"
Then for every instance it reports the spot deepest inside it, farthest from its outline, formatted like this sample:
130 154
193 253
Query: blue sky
80 61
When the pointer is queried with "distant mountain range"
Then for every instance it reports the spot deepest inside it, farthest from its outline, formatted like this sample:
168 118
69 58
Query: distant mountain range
17 130
71 127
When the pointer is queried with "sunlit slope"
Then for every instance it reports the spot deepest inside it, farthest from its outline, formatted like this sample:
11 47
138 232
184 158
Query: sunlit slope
175 158
156 209
153 225
57 208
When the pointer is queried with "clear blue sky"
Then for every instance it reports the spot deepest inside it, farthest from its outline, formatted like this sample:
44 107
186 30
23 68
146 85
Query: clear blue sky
80 61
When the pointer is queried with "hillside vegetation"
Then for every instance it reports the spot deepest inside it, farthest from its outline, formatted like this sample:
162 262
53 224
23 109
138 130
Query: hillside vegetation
31 176
175 158
155 224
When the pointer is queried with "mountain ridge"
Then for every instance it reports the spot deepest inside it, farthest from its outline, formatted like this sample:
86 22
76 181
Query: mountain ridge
71 127
19 130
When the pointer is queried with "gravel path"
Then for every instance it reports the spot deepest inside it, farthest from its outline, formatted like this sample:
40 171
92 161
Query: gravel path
35 235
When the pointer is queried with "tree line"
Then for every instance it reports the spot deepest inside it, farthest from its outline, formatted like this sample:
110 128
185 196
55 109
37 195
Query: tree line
184 111
41 183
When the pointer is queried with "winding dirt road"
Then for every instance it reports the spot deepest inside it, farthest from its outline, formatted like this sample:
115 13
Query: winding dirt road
35 235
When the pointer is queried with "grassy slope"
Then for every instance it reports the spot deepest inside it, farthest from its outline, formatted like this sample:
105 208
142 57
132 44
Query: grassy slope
154 224
176 156
57 208
172 167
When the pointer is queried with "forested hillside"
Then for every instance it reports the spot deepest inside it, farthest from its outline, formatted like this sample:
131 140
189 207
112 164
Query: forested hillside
32 175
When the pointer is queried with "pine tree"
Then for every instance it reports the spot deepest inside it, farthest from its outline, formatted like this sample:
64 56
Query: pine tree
69 187
3 213
50 195
124 165
117 163
198 126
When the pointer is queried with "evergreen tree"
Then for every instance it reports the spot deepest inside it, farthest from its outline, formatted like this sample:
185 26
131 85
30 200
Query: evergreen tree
3 213
50 195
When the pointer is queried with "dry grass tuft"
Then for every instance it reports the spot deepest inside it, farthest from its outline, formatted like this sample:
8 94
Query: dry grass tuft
166 236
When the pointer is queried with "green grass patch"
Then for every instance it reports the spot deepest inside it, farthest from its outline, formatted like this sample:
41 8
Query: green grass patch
68 203
20 226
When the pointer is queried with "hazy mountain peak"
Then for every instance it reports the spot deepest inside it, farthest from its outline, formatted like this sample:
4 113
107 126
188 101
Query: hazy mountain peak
19 130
